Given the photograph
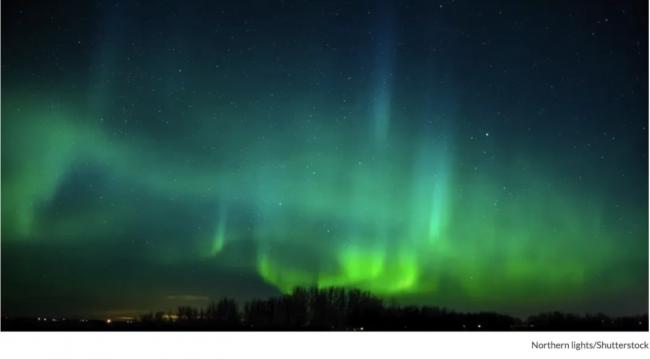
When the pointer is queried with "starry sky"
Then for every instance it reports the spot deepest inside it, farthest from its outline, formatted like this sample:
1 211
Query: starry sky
477 155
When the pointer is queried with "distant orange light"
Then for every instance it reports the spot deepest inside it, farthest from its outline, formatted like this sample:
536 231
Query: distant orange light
108 321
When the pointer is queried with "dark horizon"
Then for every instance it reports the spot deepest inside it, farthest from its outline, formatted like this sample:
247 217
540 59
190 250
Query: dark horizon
328 309
124 315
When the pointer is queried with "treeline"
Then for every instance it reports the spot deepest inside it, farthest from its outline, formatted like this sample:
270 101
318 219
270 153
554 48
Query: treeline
332 309
352 309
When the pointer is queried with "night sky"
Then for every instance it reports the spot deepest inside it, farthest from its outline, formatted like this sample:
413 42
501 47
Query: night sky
477 155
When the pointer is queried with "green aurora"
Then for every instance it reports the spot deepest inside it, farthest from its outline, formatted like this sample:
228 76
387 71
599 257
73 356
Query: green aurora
154 174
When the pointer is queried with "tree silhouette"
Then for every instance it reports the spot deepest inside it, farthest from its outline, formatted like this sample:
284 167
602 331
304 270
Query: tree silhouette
335 309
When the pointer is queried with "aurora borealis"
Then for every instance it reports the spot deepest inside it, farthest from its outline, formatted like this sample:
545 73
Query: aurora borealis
469 154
